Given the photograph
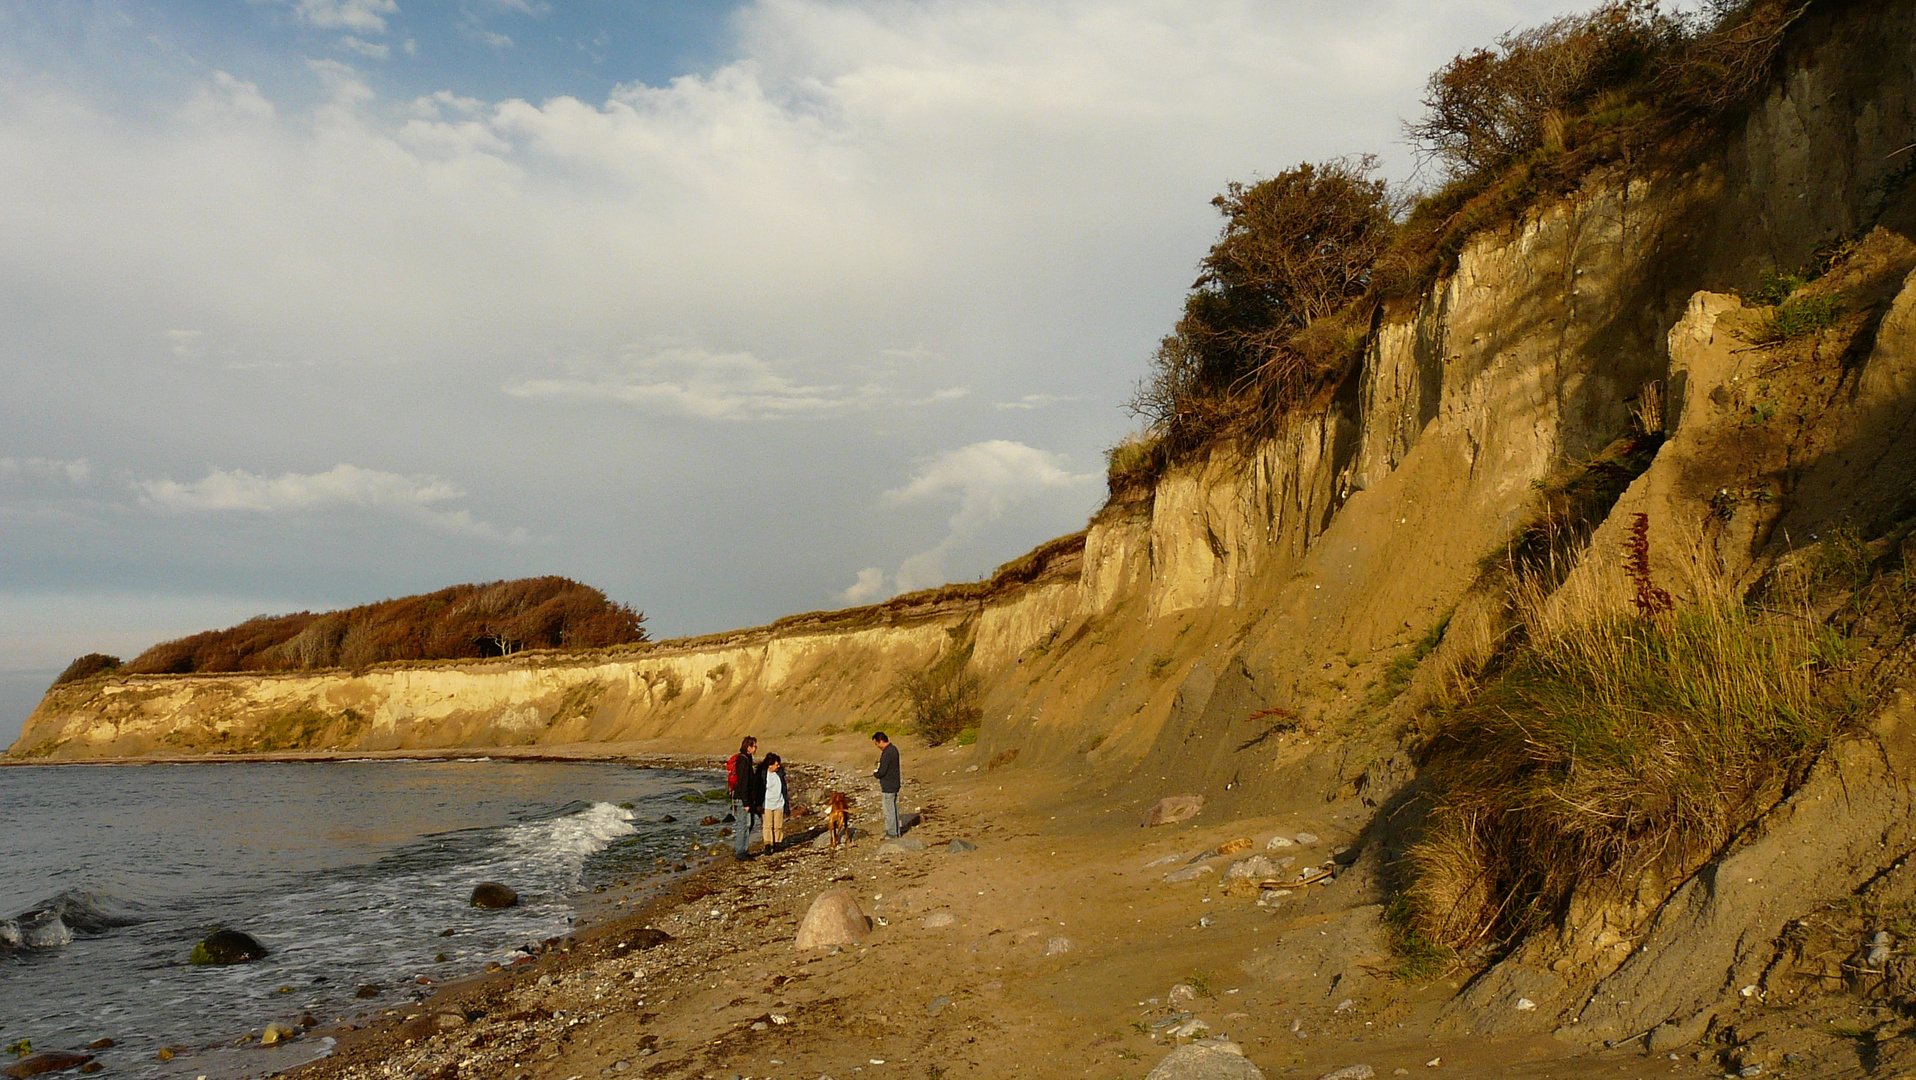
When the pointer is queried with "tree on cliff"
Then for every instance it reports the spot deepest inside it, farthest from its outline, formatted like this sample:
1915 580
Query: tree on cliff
1295 249
462 622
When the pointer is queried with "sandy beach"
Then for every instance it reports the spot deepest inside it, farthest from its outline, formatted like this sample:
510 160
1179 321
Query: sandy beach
1051 950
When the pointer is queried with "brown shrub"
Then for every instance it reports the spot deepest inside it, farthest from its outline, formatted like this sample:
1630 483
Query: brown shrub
461 622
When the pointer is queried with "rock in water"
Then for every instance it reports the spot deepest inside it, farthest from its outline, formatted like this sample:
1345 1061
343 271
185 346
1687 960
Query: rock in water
1173 809
1205 1062
227 947
833 919
51 1061
491 894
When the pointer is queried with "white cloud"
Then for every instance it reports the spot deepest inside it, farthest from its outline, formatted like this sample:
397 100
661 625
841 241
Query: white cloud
869 586
76 472
1036 401
365 48
698 383
520 7
495 39
341 487
987 479
359 16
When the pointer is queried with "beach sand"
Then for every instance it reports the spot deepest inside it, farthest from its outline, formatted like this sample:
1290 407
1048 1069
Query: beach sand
1059 960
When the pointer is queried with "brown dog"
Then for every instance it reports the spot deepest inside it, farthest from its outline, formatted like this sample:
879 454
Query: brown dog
840 820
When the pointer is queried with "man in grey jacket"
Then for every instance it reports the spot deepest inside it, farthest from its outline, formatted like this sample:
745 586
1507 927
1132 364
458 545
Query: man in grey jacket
888 781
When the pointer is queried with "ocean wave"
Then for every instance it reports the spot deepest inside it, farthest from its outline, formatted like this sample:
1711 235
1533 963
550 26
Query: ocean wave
51 923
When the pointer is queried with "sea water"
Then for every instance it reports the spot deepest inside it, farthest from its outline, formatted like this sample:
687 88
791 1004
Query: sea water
349 873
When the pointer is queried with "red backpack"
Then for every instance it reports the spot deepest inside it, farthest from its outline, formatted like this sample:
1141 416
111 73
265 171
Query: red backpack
731 773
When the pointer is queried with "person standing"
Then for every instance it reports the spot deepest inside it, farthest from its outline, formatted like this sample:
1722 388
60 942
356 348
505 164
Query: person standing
888 782
771 781
750 799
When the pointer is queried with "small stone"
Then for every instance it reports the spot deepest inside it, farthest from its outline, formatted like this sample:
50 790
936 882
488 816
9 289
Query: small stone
1433 1063
708 820
1345 1005
937 1005
1271 896
1189 873
1524 1004
903 845
1350 1072
491 894
369 990
49 1061
957 847
1175 808
1181 995
1164 860
1748 1071
101 1044
275 1033
1400 1072
440 958
667 819
1277 843
938 920
1242 843
165 1054
1307 838
1058 946
447 932
1204 921
621 1065
760 1025
1204 1061
1255 868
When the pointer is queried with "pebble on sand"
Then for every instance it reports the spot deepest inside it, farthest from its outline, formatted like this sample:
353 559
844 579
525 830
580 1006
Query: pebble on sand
1173 809
1350 1072
1215 1060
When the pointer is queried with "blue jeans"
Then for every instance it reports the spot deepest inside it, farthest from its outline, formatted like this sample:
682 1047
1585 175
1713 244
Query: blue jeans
743 830
891 813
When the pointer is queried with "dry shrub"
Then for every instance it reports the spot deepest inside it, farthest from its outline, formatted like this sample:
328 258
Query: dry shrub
1606 746
462 622
941 699
1135 464
91 665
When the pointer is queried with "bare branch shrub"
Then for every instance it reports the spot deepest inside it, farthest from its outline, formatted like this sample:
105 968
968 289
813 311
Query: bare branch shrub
941 699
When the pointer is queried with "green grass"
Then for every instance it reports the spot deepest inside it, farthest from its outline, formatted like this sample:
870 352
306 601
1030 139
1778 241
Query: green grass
1799 318
1398 673
1616 746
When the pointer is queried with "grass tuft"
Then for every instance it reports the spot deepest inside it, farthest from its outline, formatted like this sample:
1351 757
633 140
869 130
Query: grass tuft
1611 746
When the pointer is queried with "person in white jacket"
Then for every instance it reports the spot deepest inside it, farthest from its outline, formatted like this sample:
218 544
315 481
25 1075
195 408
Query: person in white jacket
772 783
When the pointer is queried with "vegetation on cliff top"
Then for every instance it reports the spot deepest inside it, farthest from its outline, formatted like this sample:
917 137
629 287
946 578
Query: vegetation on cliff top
461 622
1284 301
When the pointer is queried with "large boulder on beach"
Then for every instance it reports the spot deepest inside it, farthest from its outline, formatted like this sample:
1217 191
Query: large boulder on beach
1173 809
833 919
491 894
51 1061
227 947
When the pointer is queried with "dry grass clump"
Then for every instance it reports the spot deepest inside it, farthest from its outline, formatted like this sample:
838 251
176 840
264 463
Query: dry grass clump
941 698
1607 746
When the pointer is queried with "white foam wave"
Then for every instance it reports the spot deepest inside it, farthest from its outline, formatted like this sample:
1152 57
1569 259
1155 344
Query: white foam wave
574 836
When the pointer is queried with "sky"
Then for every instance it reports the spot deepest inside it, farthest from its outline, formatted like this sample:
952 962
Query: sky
730 310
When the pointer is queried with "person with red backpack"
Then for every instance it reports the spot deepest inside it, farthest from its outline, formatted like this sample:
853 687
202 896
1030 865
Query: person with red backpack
741 777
